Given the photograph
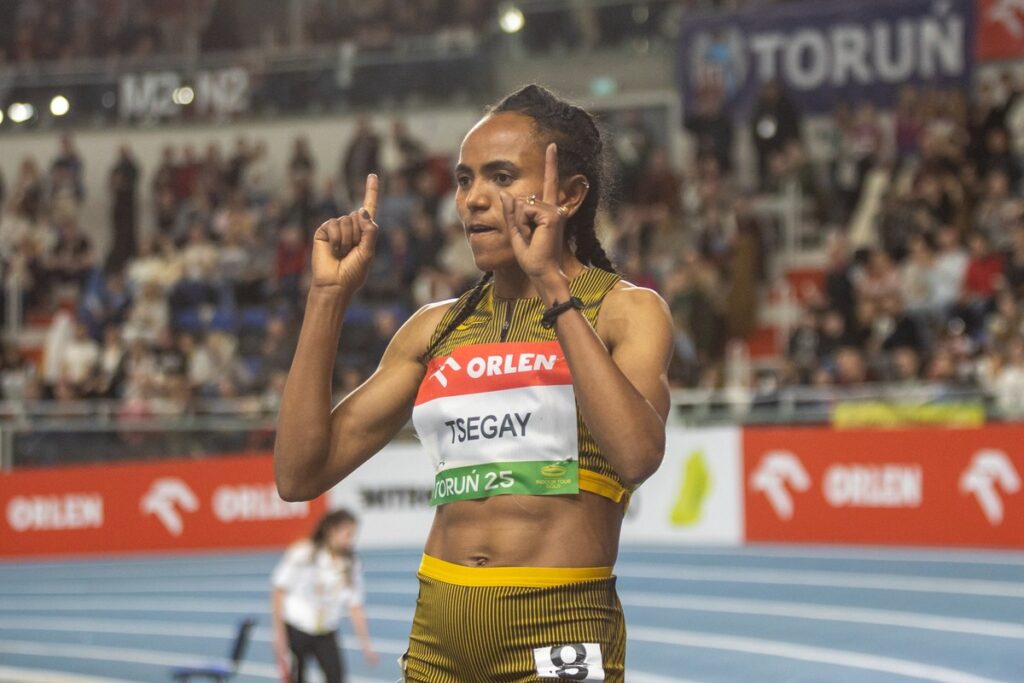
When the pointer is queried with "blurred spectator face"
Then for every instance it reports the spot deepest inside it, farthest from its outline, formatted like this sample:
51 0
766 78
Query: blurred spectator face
866 311
850 366
942 368
905 364
893 305
997 142
291 236
1015 352
276 328
832 324
978 245
948 238
385 323
997 185
822 378
880 262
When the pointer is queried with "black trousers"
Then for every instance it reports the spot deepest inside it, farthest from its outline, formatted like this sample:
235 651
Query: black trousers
324 647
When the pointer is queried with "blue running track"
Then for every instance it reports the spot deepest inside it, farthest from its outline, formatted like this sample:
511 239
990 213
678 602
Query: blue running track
759 614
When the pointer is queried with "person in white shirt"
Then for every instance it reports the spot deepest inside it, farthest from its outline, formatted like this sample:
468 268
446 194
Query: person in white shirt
313 584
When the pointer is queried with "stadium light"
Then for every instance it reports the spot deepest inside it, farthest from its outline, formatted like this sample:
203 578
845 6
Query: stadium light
59 105
20 112
511 19
1 115
183 96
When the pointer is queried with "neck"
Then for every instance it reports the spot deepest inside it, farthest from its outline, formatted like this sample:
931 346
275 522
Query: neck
513 283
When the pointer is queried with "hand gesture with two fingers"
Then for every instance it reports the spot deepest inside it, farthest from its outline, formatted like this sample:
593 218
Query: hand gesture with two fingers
537 226
343 247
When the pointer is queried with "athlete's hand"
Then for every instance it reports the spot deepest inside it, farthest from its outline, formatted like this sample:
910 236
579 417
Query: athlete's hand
537 225
343 247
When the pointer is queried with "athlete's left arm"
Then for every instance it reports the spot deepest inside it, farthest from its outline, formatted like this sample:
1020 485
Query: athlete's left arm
622 386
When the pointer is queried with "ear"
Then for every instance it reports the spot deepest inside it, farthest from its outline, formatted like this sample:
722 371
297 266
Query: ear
572 192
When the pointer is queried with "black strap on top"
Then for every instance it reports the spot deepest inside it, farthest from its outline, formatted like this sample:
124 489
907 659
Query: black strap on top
547 321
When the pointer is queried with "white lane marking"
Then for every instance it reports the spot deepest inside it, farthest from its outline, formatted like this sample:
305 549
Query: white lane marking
12 674
635 676
193 606
149 586
851 615
786 577
179 629
865 554
793 577
160 571
836 613
136 656
806 653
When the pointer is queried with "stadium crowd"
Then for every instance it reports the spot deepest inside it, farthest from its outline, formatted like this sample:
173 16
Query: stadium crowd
33 31
920 210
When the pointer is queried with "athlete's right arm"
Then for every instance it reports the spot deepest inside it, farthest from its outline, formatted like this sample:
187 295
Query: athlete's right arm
316 447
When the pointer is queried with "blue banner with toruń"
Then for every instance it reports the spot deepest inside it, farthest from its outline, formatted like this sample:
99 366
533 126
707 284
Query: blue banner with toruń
499 419
825 52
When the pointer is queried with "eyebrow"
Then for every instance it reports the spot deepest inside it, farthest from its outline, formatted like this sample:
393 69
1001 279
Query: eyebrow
489 167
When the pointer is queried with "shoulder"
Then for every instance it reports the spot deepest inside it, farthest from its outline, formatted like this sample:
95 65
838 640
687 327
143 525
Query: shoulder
414 335
628 310
632 302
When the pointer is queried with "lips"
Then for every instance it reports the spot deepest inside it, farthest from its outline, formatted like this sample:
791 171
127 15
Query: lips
479 229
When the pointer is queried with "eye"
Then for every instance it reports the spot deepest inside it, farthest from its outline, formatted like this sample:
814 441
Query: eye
463 180
502 178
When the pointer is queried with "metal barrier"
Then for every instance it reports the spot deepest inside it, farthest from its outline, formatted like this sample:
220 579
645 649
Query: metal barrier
48 433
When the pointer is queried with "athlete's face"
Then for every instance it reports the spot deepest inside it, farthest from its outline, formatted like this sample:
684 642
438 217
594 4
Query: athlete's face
501 153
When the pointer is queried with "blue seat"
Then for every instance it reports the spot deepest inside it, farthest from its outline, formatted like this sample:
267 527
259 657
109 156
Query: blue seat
220 671
255 318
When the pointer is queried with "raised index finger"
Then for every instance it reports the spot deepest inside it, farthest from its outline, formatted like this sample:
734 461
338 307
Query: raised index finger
550 195
370 198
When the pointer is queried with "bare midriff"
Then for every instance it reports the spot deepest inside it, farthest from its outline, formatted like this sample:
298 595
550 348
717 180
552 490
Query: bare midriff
581 530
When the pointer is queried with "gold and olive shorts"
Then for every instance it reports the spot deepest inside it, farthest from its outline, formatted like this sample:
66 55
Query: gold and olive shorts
515 624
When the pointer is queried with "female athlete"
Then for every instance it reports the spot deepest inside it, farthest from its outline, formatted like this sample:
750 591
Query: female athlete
540 396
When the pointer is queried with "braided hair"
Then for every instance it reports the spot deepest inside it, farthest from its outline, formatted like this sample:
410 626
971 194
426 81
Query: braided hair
580 151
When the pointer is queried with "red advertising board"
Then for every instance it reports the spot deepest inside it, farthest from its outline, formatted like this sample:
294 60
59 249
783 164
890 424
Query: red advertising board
217 502
957 487
1000 29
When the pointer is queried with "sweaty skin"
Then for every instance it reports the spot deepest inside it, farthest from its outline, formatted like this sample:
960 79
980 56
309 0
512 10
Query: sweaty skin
619 368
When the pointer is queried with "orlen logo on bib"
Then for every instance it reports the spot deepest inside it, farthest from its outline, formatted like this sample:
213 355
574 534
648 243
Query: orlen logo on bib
775 474
163 499
496 365
989 472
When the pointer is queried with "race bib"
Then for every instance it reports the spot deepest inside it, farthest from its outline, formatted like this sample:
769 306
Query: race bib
499 419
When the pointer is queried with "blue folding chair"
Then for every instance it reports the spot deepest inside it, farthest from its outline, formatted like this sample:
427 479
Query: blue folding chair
220 671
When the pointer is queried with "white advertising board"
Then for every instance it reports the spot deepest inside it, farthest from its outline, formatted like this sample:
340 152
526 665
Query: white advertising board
696 496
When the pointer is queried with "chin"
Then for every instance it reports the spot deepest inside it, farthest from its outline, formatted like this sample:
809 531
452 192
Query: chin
493 260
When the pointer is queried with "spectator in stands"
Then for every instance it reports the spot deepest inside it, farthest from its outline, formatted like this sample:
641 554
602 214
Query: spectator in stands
78 359
72 257
998 210
123 183
984 273
1014 264
712 126
401 154
362 157
1008 384
950 267
67 169
632 145
774 123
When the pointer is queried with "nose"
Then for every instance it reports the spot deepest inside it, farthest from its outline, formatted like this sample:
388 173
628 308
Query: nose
477 198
